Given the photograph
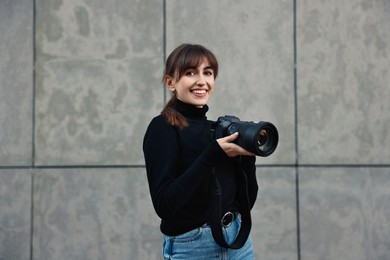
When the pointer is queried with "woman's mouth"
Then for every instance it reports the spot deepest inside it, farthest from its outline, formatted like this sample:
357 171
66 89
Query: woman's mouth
199 92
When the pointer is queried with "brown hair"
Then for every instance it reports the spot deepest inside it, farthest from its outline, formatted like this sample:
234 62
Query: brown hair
184 57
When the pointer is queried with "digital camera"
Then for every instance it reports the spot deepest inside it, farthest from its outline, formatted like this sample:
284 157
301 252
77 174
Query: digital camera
259 138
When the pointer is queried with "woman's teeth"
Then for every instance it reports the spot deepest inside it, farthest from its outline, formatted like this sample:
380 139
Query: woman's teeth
199 91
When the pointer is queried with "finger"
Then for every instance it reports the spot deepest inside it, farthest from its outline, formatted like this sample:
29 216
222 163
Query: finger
249 153
242 151
230 138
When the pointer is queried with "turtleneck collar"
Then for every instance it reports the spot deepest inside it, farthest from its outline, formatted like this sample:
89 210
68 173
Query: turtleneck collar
190 111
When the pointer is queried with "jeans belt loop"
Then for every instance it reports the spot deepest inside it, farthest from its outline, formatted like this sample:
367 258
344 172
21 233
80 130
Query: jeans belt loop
227 219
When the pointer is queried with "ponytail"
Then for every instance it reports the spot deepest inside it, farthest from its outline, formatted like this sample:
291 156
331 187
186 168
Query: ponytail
173 117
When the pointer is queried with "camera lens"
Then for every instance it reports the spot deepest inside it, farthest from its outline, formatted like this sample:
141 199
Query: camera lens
262 137
267 139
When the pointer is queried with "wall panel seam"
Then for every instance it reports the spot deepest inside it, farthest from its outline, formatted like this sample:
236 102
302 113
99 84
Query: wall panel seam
143 166
33 128
296 129
164 46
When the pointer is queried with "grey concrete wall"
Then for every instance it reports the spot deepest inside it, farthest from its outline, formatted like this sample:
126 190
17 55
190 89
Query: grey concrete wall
80 80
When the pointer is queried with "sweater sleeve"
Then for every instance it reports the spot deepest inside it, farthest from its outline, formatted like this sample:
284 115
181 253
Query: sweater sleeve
161 148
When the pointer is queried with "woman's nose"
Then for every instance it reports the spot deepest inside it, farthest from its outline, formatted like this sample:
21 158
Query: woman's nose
201 81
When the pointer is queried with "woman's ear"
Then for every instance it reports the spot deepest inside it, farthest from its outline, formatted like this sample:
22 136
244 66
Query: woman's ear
169 81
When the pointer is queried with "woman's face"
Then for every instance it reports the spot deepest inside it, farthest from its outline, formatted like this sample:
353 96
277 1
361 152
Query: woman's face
196 85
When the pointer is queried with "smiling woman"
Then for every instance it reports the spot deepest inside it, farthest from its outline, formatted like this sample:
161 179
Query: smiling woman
195 86
183 67
202 188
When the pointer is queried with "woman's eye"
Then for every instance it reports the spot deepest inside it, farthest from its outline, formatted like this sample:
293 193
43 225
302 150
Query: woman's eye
190 73
208 73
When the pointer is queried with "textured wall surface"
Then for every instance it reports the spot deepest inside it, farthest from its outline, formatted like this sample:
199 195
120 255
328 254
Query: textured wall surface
80 81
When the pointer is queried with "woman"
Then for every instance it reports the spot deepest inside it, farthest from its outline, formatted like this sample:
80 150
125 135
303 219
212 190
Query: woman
202 187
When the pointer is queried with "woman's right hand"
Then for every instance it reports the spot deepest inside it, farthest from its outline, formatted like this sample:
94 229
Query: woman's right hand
230 148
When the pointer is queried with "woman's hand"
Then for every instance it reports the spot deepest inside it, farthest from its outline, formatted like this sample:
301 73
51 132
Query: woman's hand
230 148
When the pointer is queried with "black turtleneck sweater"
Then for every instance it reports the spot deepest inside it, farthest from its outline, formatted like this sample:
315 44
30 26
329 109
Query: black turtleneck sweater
179 165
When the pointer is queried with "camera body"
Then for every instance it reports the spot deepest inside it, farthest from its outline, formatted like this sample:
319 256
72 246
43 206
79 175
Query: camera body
259 138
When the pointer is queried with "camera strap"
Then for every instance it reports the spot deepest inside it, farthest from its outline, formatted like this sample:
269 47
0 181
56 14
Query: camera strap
216 214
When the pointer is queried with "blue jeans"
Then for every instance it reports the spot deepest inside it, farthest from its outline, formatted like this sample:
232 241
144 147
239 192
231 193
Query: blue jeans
199 244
